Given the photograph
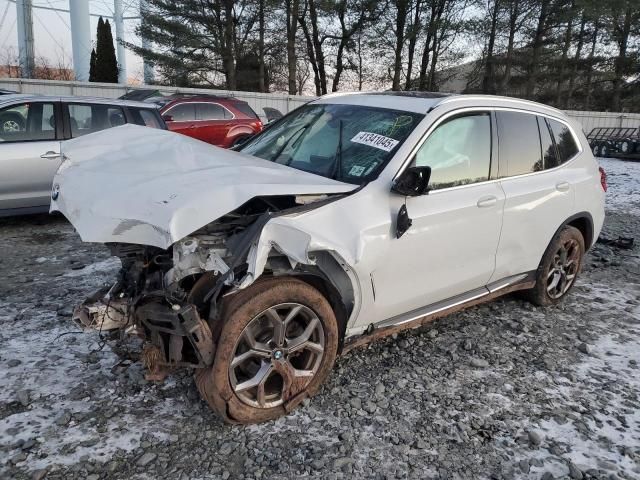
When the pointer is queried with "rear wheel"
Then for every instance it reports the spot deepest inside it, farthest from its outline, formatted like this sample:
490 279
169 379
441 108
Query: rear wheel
239 141
596 150
559 268
604 151
277 344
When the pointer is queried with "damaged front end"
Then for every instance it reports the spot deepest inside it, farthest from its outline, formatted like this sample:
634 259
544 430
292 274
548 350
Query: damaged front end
172 298
191 226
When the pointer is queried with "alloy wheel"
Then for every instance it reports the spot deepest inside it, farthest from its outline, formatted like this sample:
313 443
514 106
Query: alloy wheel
563 269
10 126
279 351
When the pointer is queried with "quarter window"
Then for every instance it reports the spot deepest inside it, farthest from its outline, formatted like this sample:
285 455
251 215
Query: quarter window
145 117
565 142
28 122
458 151
519 141
246 109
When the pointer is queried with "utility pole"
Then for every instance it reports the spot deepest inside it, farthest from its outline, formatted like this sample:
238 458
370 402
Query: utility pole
118 19
80 38
25 37
146 44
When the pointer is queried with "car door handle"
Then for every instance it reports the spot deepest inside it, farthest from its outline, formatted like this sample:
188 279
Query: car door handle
563 186
488 201
50 154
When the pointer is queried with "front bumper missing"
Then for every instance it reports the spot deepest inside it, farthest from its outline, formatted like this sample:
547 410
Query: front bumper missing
99 312
169 327
175 336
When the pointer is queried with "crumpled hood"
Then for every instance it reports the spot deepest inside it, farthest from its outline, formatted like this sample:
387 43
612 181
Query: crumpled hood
135 184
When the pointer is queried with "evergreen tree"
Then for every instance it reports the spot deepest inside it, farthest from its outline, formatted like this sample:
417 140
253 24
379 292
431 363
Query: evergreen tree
105 64
92 66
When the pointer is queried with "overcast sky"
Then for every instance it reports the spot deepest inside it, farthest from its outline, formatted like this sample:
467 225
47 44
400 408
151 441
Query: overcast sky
52 35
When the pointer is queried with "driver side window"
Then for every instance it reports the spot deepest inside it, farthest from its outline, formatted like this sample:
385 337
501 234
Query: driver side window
458 151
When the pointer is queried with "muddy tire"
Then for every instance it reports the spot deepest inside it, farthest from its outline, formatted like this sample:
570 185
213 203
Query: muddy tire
277 341
561 264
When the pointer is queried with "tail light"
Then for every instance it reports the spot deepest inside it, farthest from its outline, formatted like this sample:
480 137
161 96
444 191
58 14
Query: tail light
603 178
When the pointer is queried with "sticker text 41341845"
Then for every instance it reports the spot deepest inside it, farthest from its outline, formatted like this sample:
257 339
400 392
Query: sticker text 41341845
374 140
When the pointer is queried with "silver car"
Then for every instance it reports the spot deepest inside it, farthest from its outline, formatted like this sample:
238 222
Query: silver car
32 128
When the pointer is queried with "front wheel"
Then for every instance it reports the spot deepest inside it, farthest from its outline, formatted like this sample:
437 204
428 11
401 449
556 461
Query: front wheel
11 123
559 268
277 344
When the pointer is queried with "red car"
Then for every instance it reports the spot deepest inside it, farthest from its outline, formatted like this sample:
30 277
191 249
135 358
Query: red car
220 121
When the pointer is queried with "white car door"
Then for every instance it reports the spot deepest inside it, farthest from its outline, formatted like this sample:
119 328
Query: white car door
29 153
450 247
539 189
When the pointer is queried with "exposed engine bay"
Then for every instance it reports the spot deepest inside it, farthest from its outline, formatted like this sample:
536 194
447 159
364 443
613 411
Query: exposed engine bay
172 298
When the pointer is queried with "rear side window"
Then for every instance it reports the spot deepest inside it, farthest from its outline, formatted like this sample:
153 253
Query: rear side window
519 143
145 117
27 122
246 109
183 112
87 118
567 147
458 151
210 111
549 154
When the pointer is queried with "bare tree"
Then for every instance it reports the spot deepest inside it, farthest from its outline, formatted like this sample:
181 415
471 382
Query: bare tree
10 61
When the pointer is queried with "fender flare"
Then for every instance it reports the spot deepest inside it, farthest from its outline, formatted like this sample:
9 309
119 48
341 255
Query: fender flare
239 130
583 221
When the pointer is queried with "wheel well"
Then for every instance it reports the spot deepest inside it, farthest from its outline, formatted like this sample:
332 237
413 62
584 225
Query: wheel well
583 223
331 293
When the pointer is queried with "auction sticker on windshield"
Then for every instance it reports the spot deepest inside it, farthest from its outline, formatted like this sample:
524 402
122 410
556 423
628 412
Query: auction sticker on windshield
374 140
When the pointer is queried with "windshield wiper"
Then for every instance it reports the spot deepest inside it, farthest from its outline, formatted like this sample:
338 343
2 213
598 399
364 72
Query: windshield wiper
337 158
286 144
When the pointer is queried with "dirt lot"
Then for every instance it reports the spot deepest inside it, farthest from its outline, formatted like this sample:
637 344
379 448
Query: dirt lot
504 390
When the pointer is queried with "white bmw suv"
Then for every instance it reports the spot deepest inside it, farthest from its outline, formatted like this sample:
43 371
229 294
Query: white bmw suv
350 218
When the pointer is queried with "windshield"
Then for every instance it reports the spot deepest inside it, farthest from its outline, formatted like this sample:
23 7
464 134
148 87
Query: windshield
350 143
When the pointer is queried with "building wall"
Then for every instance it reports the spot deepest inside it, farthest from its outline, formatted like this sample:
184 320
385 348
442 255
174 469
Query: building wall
283 102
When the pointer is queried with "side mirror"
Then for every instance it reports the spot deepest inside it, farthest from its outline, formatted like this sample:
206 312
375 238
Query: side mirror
167 118
414 181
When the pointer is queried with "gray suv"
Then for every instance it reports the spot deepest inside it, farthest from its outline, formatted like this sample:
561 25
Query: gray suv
32 128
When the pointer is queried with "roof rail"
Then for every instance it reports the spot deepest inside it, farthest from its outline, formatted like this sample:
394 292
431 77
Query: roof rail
179 94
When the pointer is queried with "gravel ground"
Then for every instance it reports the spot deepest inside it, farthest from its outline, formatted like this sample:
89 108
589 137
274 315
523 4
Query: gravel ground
504 390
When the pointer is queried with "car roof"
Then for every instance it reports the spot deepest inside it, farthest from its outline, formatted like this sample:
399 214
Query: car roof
179 97
20 97
424 102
